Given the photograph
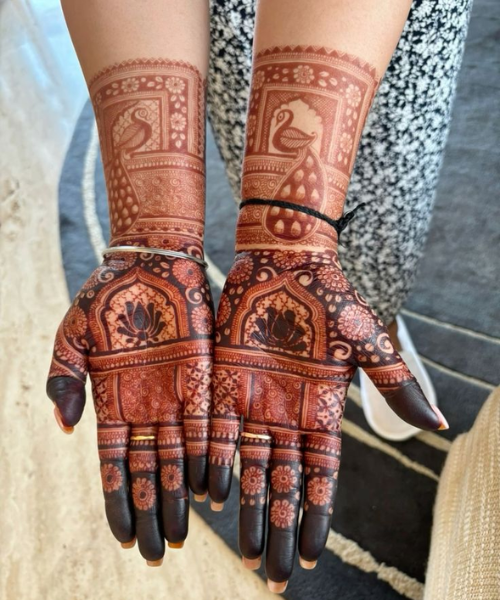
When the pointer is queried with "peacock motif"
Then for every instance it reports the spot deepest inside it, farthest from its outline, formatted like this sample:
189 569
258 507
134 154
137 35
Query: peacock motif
305 179
123 201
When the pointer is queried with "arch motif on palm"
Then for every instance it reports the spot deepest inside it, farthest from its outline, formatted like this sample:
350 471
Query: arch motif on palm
281 316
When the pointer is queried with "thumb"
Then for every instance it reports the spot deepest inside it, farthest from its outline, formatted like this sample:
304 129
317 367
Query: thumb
402 392
68 372
410 404
68 395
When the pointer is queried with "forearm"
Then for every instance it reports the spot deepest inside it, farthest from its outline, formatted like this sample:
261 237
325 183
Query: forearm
316 69
146 66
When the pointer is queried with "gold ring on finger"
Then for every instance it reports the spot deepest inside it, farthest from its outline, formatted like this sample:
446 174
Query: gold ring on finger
257 436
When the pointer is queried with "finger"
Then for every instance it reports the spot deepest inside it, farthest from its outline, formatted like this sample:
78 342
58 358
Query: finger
390 374
68 395
284 502
174 491
196 382
68 370
223 434
113 442
255 454
143 465
321 466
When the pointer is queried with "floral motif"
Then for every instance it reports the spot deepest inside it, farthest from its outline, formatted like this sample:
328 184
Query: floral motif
174 85
353 95
282 513
333 279
178 122
356 322
251 123
224 310
75 323
202 319
346 142
241 270
288 259
143 493
140 323
258 80
171 477
252 481
283 479
130 85
330 407
303 74
319 490
111 478
280 330
187 273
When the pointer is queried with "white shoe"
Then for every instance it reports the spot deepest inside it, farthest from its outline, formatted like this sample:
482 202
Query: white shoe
384 421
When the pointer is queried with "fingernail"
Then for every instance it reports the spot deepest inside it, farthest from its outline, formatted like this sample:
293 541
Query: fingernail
155 563
175 545
444 422
277 587
216 506
128 545
251 563
307 564
64 428
201 497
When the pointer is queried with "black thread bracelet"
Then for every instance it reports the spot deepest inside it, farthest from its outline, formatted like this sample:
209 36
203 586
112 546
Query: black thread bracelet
338 224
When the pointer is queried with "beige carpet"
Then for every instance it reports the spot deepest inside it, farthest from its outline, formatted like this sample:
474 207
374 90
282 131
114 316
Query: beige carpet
464 561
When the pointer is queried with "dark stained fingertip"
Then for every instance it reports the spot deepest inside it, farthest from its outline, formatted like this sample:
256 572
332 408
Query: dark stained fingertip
444 423
252 564
176 545
198 474
219 483
155 563
216 506
62 426
128 545
200 497
410 404
307 564
277 587
68 394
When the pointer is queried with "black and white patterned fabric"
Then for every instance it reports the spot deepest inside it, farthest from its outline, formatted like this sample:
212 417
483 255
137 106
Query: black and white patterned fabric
401 150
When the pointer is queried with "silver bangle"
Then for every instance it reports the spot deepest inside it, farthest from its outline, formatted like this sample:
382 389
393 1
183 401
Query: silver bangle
161 251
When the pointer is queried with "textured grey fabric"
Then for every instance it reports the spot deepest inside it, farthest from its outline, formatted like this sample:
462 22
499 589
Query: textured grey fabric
400 152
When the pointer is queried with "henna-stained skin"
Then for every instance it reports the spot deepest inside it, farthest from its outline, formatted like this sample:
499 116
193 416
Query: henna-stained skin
142 324
291 330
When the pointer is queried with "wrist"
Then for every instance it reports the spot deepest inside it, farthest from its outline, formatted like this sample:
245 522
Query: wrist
180 240
270 228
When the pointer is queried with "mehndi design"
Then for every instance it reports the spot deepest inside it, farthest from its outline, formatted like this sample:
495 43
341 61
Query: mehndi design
291 330
142 325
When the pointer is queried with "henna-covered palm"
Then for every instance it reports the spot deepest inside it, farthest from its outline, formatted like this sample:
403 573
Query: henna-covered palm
290 333
142 327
